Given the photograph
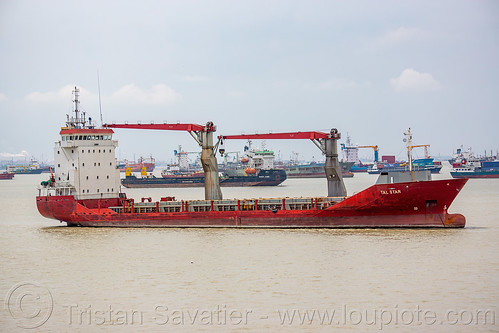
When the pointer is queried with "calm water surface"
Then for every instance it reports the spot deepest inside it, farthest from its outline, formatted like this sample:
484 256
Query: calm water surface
61 279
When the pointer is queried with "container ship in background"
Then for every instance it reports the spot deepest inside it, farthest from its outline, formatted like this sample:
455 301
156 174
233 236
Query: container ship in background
85 189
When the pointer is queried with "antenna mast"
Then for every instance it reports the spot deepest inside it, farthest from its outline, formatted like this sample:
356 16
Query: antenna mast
77 121
100 105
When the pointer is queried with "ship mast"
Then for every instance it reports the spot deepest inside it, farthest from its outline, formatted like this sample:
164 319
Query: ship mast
80 118
408 141
77 121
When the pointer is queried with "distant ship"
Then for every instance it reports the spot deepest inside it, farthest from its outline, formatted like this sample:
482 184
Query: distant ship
466 165
488 169
197 179
315 170
6 175
256 170
148 163
419 164
25 169
351 154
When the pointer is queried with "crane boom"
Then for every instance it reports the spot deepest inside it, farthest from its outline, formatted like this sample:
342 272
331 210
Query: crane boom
426 155
326 142
204 137
288 135
165 127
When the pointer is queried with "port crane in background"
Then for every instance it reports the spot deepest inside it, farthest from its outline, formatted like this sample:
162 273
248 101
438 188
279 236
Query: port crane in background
326 142
376 152
204 137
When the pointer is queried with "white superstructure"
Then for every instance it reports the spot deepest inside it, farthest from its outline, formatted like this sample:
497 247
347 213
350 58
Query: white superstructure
85 163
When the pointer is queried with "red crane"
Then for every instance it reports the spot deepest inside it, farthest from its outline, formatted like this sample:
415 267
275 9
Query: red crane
326 142
204 137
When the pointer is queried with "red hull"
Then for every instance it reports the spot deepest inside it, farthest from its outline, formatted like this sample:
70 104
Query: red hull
138 167
416 204
6 175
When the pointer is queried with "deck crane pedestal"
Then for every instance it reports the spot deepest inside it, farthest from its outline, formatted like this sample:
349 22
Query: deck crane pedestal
326 142
204 137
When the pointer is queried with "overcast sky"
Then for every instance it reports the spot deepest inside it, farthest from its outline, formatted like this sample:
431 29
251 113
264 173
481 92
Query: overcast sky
369 68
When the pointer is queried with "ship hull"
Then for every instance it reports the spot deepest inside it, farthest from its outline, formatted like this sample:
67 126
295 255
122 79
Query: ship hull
481 174
272 177
316 171
29 172
6 175
360 168
400 205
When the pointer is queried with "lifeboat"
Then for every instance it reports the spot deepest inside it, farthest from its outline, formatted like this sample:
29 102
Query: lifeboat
250 171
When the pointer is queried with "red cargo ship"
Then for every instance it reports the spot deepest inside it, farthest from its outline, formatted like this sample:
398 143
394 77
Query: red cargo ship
84 192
